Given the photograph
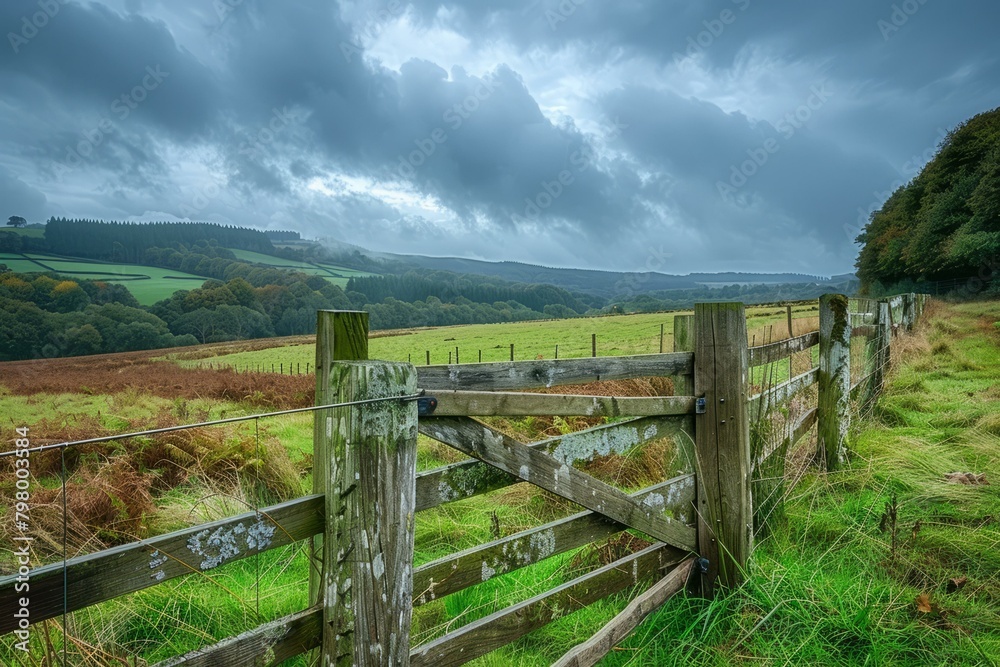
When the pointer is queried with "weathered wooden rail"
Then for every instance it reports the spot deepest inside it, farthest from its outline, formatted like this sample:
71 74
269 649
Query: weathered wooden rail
363 585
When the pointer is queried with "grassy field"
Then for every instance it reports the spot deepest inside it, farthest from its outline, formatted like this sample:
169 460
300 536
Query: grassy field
150 284
337 275
146 283
829 585
838 584
33 232
616 335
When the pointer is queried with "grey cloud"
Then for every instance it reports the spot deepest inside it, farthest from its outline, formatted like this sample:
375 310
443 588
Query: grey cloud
807 185
20 198
512 182
94 58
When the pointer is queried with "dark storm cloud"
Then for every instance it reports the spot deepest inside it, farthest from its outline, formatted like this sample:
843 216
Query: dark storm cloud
274 114
481 145
784 169
20 197
99 61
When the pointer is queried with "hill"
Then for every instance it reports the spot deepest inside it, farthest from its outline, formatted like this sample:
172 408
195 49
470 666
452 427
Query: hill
944 224
605 284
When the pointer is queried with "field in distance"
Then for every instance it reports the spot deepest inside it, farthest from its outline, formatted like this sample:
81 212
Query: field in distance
149 284
338 275
616 335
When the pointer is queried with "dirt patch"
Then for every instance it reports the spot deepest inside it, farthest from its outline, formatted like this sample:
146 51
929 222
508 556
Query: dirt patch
113 373
220 349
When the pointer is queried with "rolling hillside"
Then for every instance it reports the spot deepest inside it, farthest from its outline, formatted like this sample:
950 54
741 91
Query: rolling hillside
598 283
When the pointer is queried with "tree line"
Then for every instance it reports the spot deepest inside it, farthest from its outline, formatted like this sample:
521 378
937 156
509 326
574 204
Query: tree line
414 286
45 314
127 242
945 223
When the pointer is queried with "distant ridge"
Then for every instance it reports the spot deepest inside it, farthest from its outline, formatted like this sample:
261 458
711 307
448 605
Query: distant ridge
593 281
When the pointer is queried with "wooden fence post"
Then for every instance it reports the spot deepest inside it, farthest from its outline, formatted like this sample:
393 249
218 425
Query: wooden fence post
833 413
882 340
683 342
661 338
341 335
722 443
371 489
909 311
593 345
512 351
791 334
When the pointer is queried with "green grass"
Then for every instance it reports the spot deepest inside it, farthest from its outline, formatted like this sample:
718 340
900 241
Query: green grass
616 335
33 232
338 275
826 588
147 284
178 615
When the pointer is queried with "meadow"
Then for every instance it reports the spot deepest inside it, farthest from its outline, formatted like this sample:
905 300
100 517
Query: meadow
616 335
338 275
834 583
149 284
33 232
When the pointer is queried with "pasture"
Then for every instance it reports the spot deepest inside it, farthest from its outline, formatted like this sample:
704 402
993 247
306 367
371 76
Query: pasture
147 284
856 586
616 335
338 275
33 232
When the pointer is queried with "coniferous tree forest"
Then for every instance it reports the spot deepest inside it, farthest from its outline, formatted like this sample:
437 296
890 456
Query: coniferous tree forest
128 242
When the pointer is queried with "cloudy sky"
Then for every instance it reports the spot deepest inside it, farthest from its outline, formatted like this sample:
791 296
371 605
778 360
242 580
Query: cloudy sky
675 135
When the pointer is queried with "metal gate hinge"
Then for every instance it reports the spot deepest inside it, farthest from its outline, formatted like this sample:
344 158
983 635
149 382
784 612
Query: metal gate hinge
426 406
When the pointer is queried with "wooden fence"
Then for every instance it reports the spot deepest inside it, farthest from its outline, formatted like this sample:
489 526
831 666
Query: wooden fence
594 345
360 519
